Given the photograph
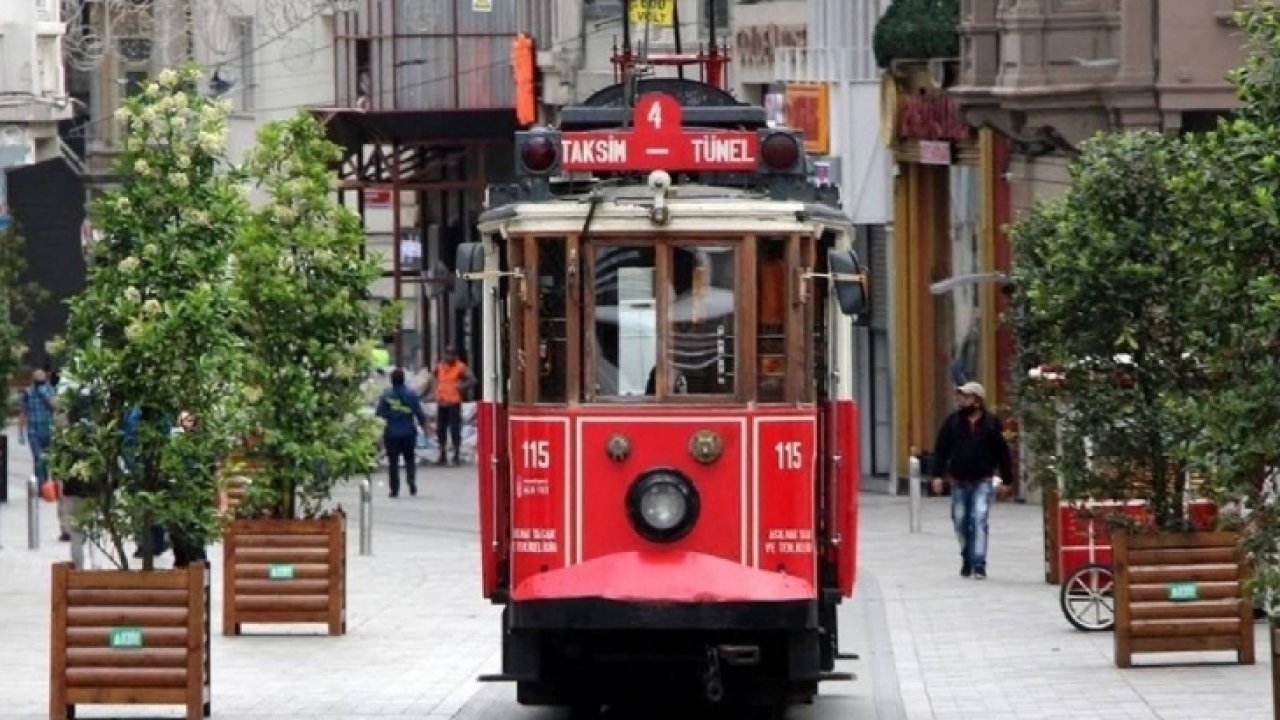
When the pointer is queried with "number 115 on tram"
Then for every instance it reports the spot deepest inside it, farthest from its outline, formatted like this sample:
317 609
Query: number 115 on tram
668 447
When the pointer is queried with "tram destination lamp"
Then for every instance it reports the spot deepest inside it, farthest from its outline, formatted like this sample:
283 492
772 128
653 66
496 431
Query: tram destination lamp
537 160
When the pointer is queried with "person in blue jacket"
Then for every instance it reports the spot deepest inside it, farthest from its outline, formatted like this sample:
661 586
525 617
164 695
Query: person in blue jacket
399 407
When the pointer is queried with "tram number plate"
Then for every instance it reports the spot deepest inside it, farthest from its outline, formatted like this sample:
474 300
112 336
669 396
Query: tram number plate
1184 591
280 572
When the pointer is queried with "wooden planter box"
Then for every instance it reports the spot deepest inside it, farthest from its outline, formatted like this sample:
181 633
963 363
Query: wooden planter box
285 571
1181 593
130 638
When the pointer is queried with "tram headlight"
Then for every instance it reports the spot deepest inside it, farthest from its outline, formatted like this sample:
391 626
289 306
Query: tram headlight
663 505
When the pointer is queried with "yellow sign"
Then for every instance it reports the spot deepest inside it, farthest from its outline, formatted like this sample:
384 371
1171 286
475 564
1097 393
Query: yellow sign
657 12
807 111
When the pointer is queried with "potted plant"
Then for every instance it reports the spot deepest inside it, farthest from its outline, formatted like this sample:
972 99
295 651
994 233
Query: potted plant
150 339
1107 293
302 273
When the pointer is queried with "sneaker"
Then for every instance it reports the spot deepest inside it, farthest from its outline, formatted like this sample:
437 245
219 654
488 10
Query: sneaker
64 537
965 570
413 490
980 574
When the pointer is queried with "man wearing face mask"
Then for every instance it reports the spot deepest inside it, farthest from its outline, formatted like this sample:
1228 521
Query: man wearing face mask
972 452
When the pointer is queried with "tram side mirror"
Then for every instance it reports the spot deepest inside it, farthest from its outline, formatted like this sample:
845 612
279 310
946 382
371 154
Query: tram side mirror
852 293
468 292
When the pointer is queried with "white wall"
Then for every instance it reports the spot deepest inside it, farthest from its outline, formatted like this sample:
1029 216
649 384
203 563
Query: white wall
33 96
285 62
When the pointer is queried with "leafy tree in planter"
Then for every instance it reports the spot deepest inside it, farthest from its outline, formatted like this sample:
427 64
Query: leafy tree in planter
1230 195
1104 294
310 327
16 297
152 334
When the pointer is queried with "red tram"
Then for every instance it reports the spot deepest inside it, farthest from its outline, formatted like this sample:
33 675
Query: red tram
668 446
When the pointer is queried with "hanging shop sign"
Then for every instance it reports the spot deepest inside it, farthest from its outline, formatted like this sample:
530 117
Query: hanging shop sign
807 111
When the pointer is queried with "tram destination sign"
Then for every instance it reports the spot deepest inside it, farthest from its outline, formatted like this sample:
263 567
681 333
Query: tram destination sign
658 141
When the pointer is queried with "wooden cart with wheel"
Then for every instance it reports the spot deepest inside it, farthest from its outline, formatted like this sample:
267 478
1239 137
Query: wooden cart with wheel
1085 561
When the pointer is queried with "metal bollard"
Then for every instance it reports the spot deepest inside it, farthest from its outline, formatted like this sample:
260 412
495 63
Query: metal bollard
33 513
914 489
4 468
366 517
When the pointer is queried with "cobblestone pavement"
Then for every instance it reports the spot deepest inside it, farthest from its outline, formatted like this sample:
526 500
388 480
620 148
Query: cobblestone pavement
1001 649
931 645
418 631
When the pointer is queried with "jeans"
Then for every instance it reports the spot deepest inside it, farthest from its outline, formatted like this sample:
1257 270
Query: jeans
970 508
449 425
402 448
39 444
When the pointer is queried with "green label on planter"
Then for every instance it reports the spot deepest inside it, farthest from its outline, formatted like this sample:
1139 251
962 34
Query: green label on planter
1183 591
121 638
280 572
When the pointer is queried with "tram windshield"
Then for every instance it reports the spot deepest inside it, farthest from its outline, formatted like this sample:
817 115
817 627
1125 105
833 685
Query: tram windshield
668 320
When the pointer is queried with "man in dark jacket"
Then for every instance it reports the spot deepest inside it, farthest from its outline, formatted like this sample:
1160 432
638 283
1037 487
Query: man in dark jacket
400 406
971 450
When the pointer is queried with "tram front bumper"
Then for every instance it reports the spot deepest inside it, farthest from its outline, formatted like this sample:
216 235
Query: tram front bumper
674 590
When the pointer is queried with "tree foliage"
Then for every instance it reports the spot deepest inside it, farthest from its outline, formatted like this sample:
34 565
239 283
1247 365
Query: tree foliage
918 29
154 329
16 299
310 323
1166 250
1105 293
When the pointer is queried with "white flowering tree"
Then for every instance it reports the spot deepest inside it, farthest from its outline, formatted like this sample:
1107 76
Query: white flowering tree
153 334
310 324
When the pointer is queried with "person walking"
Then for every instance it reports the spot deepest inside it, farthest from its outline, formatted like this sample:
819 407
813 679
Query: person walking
971 450
399 406
449 382
35 428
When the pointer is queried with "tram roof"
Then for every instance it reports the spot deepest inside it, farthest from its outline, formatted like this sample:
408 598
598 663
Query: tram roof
693 208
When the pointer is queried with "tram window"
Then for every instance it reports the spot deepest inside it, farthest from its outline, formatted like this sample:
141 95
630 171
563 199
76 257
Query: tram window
624 338
701 319
553 323
771 310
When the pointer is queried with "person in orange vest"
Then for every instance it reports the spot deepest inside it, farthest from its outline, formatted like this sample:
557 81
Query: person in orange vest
449 382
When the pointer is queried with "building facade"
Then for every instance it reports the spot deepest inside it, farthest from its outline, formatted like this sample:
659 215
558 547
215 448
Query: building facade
33 93
1047 75
35 106
269 58
1036 78
824 82
424 109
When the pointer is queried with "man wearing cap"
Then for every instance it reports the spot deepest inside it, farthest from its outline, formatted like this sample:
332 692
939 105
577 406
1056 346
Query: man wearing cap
972 452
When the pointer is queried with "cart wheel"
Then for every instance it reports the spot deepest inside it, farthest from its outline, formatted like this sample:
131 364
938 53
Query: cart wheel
1088 598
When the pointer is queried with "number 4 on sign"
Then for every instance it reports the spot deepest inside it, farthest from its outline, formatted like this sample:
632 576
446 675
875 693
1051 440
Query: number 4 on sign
655 116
